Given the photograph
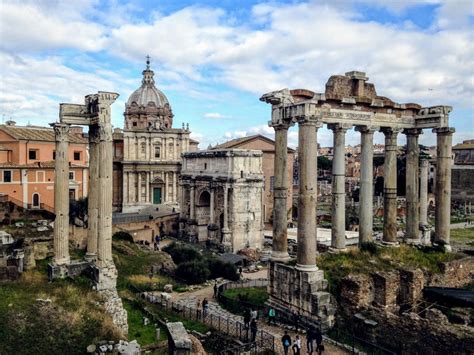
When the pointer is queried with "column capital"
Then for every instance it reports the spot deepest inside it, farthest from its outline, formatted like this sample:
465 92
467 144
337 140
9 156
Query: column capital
412 131
281 125
388 131
105 132
94 135
61 132
367 129
444 130
310 121
339 127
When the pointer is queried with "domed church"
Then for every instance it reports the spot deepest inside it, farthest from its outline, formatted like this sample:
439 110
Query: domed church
150 156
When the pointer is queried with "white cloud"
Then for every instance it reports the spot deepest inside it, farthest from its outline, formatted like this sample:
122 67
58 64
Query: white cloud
215 115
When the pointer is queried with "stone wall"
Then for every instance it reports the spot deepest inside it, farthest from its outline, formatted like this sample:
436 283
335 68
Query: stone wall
456 273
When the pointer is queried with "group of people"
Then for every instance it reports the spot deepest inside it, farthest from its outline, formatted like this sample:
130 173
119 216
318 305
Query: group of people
202 308
313 335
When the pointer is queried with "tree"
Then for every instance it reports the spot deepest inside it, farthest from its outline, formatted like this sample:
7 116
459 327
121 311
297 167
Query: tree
193 272
78 209
324 163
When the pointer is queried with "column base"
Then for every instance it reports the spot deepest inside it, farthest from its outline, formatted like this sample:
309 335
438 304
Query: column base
62 262
390 244
333 250
413 241
73 269
90 257
280 256
306 268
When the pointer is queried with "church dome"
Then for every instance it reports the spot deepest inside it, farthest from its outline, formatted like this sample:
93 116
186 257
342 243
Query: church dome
148 93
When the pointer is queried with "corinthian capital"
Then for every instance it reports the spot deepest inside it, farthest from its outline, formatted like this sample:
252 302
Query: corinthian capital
61 132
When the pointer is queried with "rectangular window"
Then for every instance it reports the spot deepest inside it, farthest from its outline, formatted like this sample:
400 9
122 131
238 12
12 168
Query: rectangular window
71 175
157 151
7 176
54 155
32 154
272 183
40 176
77 155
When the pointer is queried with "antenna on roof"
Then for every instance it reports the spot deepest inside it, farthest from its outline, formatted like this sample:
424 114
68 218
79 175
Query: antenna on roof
147 62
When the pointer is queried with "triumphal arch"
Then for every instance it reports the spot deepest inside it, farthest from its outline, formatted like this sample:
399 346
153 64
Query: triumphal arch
350 101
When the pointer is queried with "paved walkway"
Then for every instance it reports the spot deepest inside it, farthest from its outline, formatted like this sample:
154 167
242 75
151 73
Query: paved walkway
191 298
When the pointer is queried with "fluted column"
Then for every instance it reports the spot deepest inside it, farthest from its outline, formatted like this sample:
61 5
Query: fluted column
390 187
93 199
61 195
307 198
443 186
366 195
104 247
280 193
425 165
411 187
338 211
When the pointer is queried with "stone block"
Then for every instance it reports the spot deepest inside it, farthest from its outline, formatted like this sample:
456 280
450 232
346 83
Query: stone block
386 289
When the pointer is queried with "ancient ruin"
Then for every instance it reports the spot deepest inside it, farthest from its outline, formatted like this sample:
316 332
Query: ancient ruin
95 114
222 198
349 100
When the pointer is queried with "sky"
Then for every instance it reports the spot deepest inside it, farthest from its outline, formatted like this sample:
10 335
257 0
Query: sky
214 59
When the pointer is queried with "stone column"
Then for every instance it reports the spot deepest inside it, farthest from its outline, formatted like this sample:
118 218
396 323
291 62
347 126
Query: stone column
424 226
61 195
125 188
166 192
139 187
390 187
211 207
225 230
175 189
307 198
191 201
280 192
93 200
147 187
104 247
443 186
338 229
366 195
412 172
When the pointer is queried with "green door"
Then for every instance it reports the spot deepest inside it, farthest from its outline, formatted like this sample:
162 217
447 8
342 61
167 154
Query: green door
156 195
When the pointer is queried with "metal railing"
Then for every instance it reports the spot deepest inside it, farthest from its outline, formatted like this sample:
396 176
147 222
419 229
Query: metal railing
231 327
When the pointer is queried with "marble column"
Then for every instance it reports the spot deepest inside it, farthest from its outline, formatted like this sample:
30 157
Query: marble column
147 187
166 190
226 207
443 186
412 173
366 195
280 193
61 195
175 188
338 211
104 225
93 200
139 187
211 207
191 201
390 187
424 226
307 198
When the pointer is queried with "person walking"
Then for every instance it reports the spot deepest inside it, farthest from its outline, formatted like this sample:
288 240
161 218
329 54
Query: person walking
318 336
286 341
247 318
198 309
297 346
215 289
253 314
253 329
240 272
310 337
296 321
205 307
271 316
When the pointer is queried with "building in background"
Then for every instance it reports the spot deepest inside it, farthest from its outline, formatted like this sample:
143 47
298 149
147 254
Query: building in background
267 146
462 172
27 155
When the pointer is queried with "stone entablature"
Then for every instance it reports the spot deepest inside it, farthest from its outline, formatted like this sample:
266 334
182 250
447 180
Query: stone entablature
222 197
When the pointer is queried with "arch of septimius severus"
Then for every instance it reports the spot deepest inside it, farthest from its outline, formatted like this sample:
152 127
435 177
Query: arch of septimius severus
350 101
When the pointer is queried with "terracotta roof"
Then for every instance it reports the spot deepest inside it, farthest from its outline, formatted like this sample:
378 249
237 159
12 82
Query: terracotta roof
37 134
237 141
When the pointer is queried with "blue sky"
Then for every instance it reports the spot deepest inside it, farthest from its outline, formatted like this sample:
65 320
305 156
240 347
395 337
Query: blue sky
214 59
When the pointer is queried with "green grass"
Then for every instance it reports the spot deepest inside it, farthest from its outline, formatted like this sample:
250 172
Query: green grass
375 258
144 334
462 234
254 295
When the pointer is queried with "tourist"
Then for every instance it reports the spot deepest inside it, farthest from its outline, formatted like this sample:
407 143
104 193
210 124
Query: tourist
253 314
205 307
271 316
310 337
253 329
286 341
240 272
297 346
296 321
319 341
215 290
198 309
247 318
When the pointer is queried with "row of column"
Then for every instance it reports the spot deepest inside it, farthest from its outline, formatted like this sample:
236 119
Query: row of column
307 199
128 183
99 238
192 202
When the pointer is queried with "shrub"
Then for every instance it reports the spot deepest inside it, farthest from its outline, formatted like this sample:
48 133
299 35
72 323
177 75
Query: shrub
181 253
193 272
219 268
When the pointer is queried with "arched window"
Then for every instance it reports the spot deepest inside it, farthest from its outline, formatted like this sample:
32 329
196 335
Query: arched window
205 199
157 151
36 200
143 147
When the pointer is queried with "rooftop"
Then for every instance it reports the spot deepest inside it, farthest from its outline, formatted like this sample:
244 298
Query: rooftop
36 133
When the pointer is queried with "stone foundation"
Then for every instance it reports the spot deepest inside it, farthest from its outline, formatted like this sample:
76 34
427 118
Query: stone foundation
74 268
113 306
105 278
292 291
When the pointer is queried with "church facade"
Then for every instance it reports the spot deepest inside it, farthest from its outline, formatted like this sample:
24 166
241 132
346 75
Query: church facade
148 150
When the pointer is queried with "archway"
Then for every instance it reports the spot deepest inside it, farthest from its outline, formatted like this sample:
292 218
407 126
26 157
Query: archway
36 200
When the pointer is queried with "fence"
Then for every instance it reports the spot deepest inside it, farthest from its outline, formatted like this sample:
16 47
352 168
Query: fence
234 328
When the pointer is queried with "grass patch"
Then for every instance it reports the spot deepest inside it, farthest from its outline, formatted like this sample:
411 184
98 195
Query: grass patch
144 334
254 295
462 234
375 258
